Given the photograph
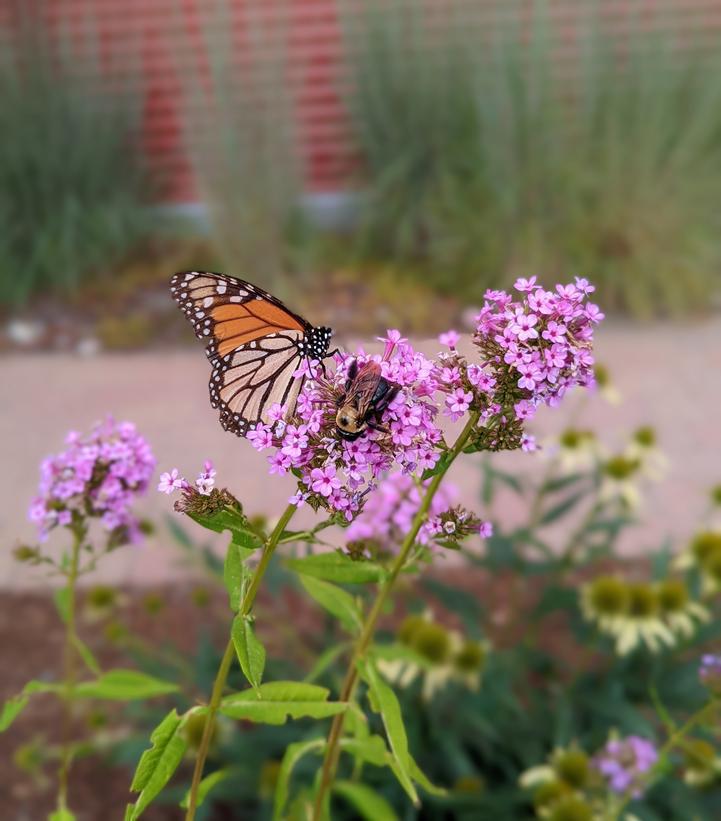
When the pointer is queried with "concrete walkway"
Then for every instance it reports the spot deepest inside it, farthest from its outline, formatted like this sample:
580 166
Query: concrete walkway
669 376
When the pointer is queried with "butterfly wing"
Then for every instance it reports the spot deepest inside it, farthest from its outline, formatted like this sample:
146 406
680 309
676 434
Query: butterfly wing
254 343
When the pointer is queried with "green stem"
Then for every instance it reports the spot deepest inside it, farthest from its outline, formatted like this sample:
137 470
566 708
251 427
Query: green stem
332 751
70 672
224 668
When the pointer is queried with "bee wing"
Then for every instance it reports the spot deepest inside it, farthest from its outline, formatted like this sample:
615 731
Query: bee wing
362 389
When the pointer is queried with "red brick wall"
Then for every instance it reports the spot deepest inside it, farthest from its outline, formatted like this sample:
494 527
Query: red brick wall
141 34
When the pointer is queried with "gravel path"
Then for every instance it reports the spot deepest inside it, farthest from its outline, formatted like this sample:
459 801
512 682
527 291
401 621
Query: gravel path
669 376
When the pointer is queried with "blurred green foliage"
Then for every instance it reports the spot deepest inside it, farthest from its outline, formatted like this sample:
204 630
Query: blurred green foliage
72 184
246 161
491 154
545 684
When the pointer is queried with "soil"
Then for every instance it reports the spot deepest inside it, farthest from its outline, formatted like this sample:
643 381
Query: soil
31 637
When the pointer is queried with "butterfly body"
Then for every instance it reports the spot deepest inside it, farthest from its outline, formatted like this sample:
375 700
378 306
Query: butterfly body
255 344
367 394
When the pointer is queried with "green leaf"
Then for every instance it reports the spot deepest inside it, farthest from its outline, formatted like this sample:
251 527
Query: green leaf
277 701
63 814
385 702
401 652
205 786
248 540
293 753
366 802
422 780
158 763
12 709
234 572
337 567
234 520
15 705
336 601
250 652
86 655
124 685
560 483
372 750
61 597
563 507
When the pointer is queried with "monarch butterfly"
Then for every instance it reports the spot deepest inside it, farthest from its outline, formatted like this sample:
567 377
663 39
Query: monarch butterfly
254 343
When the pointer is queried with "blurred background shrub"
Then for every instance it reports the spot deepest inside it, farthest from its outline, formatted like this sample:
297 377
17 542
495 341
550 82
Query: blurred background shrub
459 144
488 154
247 166
73 182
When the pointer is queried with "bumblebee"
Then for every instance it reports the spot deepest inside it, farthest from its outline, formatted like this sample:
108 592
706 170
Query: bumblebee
366 395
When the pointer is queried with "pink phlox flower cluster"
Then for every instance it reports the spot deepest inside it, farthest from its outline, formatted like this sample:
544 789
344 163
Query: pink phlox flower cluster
625 763
339 474
98 475
171 481
545 338
709 672
389 511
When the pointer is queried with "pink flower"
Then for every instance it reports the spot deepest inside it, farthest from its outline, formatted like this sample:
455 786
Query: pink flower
554 331
276 412
206 479
593 312
524 328
295 441
528 443
481 379
525 285
98 475
449 338
279 463
324 480
524 409
485 530
583 286
260 436
458 402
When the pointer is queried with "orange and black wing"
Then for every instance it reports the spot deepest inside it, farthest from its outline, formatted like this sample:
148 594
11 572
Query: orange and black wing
254 343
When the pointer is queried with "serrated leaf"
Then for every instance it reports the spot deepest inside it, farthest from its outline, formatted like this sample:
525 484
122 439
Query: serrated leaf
158 763
293 753
124 685
337 567
368 803
385 702
336 601
205 786
275 702
250 652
